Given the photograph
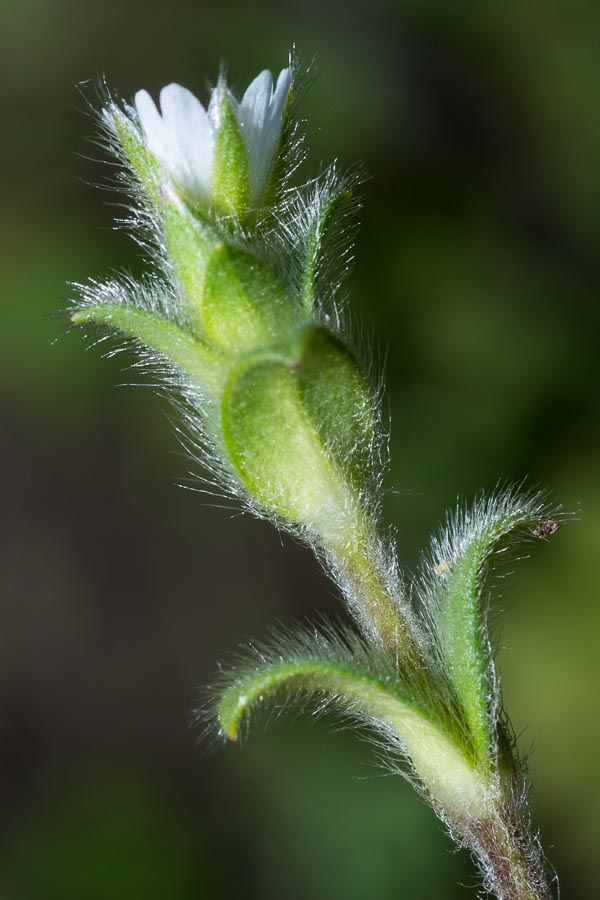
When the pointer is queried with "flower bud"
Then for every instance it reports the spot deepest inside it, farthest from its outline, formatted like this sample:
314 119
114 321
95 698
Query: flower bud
221 159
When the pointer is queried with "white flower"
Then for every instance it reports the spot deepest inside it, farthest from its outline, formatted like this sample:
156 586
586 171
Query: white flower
183 134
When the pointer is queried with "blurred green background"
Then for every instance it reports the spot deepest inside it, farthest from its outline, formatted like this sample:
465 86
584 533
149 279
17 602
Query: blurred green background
477 272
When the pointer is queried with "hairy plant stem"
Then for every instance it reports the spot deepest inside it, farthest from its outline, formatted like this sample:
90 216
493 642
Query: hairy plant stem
513 868
383 616
511 862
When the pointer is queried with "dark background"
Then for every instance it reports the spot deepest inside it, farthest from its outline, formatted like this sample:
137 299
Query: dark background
477 271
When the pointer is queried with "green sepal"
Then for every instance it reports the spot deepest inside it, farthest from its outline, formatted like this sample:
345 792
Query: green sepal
381 703
184 350
290 424
141 161
230 187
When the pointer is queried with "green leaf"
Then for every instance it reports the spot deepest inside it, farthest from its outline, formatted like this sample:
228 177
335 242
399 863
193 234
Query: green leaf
330 676
275 447
168 339
244 307
455 580
314 246
232 297
298 426
291 420
339 401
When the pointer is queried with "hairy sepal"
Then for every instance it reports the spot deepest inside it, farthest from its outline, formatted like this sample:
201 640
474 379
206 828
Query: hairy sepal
135 153
231 177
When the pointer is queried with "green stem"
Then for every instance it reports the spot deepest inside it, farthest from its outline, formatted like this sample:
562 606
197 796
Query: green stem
375 598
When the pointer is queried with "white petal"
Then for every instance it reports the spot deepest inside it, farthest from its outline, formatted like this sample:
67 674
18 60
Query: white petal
151 122
260 116
280 95
189 137
182 137
255 101
182 134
